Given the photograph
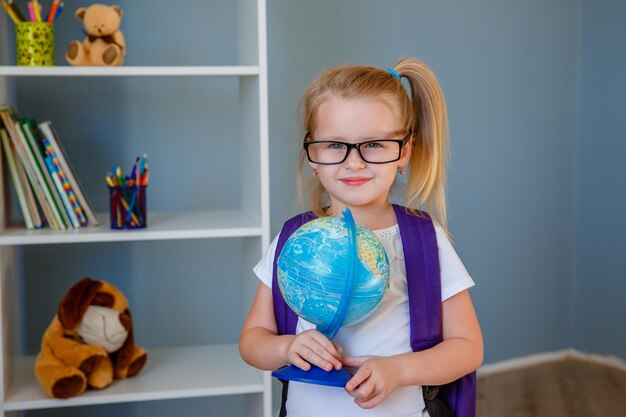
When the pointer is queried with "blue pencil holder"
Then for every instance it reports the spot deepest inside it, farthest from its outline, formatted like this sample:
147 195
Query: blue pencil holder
128 207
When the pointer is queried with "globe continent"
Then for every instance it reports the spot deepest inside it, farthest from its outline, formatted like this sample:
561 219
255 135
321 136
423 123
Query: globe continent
312 269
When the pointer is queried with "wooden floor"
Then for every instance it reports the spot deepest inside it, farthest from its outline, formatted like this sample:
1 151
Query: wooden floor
566 388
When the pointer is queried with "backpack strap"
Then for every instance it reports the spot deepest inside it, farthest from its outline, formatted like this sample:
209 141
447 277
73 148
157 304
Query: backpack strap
286 319
421 254
423 277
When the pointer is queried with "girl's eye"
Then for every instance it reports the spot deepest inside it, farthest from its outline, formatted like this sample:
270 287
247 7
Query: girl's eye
336 146
373 145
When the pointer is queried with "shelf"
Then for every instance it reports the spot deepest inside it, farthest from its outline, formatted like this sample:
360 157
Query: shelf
161 71
161 226
215 372
198 371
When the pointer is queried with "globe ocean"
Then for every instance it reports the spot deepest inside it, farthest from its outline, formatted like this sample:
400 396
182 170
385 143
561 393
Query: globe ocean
312 268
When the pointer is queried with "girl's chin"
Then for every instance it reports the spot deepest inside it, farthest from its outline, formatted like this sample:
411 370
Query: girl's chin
338 206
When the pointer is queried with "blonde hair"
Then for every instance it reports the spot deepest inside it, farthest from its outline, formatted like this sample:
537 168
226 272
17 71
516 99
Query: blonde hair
423 111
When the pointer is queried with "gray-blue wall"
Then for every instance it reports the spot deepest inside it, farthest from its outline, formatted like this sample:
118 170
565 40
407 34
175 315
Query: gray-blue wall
599 302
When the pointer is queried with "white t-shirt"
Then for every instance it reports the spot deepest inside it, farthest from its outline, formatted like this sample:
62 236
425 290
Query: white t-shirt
384 333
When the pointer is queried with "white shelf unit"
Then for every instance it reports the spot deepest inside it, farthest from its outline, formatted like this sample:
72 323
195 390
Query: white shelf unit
163 226
187 372
139 71
171 373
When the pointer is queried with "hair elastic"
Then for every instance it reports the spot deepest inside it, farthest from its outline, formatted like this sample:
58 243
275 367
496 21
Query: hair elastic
394 73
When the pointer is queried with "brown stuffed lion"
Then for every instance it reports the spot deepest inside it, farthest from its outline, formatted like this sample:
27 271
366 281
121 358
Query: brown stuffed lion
89 342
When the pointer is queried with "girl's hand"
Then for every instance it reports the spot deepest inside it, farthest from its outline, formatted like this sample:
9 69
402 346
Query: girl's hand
313 348
374 380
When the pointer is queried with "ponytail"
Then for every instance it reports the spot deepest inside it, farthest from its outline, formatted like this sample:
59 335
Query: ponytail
426 183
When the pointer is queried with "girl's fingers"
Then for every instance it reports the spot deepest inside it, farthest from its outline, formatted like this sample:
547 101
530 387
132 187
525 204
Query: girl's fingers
327 344
313 347
325 349
371 402
365 391
361 375
314 358
297 360
328 356
354 361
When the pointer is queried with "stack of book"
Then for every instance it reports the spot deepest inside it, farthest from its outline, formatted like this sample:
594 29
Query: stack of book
47 189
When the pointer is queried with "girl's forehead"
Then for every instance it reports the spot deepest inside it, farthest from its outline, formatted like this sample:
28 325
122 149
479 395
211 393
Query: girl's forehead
357 115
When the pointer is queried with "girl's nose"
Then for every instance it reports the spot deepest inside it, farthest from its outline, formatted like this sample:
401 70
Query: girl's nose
354 160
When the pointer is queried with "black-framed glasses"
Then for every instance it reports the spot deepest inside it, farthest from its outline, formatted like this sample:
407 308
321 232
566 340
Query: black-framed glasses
376 151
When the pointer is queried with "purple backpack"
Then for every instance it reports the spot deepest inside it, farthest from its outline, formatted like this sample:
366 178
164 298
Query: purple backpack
424 287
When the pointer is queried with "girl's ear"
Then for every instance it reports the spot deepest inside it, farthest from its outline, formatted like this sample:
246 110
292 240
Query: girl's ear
313 166
405 156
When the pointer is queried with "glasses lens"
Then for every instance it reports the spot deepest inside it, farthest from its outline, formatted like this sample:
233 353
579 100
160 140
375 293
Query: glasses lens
327 152
380 151
374 151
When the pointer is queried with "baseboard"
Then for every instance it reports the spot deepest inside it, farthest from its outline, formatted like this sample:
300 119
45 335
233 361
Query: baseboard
608 360
547 357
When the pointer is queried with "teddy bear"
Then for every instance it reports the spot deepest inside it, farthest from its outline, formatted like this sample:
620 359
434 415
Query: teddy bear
104 44
89 342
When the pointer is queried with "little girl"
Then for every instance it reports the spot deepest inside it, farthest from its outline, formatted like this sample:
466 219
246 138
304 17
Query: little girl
362 131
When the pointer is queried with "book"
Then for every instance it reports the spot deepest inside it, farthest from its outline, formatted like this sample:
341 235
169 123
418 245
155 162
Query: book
34 176
23 160
66 202
31 154
42 175
30 197
67 187
31 131
10 156
50 134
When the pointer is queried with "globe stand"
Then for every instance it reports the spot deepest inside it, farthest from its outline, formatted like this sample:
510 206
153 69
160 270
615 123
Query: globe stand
317 375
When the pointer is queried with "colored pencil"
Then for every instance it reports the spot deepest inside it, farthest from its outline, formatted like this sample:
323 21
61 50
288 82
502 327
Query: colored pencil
37 10
58 12
10 12
53 11
17 11
31 11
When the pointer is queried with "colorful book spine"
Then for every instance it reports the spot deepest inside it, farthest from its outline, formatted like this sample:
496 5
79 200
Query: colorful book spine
59 185
48 131
34 153
30 130
66 184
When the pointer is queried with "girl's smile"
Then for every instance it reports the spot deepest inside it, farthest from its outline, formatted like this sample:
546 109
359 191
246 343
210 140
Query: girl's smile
354 181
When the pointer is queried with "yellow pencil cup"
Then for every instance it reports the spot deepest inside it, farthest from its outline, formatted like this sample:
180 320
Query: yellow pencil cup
34 43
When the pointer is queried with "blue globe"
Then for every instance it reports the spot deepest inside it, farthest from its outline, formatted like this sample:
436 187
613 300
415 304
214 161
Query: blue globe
313 269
